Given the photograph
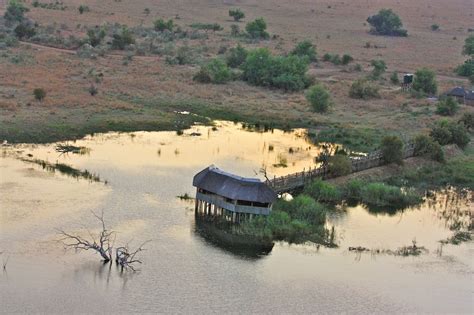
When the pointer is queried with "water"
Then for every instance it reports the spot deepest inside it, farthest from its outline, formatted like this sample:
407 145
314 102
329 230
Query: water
183 270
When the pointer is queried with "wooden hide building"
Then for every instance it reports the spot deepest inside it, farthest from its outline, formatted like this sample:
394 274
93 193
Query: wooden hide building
233 198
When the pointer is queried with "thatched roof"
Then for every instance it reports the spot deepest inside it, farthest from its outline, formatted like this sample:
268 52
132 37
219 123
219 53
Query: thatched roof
232 186
457 91
470 95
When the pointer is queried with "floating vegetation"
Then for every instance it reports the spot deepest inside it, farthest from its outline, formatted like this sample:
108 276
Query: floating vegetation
65 170
458 238
66 148
412 250
185 196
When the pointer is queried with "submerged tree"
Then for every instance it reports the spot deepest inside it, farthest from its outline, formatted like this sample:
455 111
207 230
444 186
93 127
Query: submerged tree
102 243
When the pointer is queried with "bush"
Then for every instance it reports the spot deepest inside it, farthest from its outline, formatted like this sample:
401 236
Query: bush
83 8
467 120
392 149
207 26
216 71
425 81
466 69
257 29
327 57
426 146
95 36
288 73
340 165
305 49
346 59
24 30
394 78
447 107
234 30
386 22
15 12
379 194
468 48
363 89
319 98
122 38
237 14
379 69
448 132
39 94
323 191
435 27
353 189
236 56
161 25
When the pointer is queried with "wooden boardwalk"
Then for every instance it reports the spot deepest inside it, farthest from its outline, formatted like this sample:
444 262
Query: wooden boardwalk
296 181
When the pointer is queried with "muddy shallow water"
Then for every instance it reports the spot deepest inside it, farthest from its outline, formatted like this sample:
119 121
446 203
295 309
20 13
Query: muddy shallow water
184 271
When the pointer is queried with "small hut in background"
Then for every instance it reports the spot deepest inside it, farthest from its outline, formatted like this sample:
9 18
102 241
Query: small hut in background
459 93
230 197
469 98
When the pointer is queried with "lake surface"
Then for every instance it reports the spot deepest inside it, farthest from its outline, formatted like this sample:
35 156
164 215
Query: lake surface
183 270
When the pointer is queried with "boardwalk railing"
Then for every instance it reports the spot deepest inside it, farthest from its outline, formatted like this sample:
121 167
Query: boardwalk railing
297 180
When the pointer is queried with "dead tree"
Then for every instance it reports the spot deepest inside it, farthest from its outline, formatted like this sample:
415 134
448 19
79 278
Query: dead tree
126 257
100 244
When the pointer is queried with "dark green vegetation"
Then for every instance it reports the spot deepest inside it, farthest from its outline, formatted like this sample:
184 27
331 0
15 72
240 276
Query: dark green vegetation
122 38
358 139
379 68
458 238
215 71
447 107
428 147
425 81
257 29
450 132
319 98
467 69
386 22
364 89
236 56
261 68
297 221
392 149
305 49
39 94
237 14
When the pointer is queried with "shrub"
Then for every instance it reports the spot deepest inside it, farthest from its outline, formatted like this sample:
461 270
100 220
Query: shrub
394 78
83 8
305 49
340 165
262 69
392 149
386 22
435 27
379 194
447 107
336 59
207 26
257 29
39 94
236 56
353 189
468 120
305 208
15 12
379 68
346 59
364 89
95 36
358 67
327 57
425 81
93 90
319 98
234 30
122 38
216 71
161 25
466 69
426 146
468 48
24 30
323 191
447 132
237 14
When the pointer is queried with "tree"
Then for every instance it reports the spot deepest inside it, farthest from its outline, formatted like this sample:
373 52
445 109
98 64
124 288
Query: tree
236 56
95 36
216 71
83 8
257 29
346 59
305 49
319 98
237 14
162 25
340 165
122 38
425 81
379 68
447 132
24 30
39 94
426 146
15 12
363 89
392 149
386 22
447 107
466 69
394 78
468 120
468 48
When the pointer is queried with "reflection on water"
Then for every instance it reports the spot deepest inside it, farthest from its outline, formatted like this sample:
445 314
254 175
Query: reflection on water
186 268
